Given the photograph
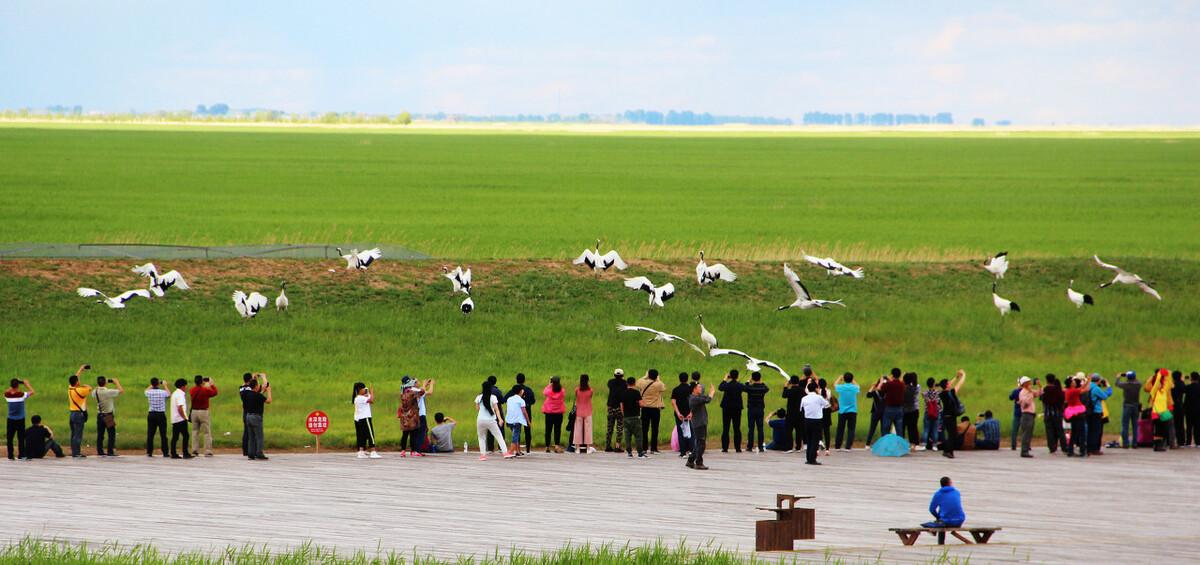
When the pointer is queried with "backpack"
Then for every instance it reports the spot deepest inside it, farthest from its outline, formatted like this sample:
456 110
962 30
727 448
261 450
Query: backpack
933 408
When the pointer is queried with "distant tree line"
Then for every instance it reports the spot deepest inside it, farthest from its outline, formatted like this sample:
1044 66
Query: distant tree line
879 119
525 118
690 118
219 112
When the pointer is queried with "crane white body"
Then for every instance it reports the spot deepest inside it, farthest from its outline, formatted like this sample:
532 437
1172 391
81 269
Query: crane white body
1125 277
1004 305
804 299
597 262
658 294
115 302
160 284
833 268
662 337
1078 298
708 274
248 305
752 363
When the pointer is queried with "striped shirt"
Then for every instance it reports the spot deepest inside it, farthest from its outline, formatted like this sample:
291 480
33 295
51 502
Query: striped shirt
158 399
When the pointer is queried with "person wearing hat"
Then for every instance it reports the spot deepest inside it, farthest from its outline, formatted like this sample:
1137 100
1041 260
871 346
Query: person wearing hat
616 390
1131 408
1027 400
1100 391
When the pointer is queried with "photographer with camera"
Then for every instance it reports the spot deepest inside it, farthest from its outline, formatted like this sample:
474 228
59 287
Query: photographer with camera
1100 392
1030 391
255 396
77 397
156 416
15 398
106 419
201 394
179 420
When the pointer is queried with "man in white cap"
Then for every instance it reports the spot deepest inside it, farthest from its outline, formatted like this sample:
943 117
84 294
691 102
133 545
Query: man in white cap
1026 399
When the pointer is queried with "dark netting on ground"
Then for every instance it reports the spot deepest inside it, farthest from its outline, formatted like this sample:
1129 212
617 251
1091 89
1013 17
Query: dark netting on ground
155 251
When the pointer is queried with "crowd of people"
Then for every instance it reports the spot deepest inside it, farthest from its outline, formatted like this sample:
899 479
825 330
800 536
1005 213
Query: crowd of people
185 407
1074 411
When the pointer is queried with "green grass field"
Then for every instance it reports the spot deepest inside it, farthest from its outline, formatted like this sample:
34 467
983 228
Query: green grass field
916 210
478 196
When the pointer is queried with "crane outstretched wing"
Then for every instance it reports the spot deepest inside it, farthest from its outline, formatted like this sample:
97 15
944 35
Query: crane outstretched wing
797 286
1113 268
611 258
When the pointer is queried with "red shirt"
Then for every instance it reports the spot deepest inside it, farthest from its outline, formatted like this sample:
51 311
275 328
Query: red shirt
200 396
893 392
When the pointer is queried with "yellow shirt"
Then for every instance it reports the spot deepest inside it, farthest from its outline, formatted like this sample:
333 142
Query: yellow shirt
652 392
77 397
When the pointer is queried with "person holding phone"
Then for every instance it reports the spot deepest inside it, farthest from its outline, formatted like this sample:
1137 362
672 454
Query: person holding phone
15 398
1030 391
255 397
106 420
77 397
364 426
179 420
201 394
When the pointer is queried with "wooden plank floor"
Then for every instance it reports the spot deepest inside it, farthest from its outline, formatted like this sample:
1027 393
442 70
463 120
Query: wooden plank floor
1127 506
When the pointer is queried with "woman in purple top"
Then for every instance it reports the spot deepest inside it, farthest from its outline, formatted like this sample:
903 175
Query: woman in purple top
554 408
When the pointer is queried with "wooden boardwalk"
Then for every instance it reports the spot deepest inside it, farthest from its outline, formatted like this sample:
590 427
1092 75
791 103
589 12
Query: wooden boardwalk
1127 506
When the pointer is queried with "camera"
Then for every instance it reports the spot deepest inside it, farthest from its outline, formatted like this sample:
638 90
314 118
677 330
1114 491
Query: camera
86 366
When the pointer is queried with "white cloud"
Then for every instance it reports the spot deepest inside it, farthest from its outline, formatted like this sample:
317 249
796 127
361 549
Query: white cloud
944 43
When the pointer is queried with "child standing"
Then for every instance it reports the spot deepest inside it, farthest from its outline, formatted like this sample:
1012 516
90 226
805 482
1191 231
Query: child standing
364 427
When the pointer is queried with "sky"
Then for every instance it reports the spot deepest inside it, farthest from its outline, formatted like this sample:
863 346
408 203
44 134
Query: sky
1036 63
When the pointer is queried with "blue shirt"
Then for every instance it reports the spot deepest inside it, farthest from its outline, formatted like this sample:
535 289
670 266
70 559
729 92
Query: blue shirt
990 429
157 398
1015 396
1099 395
847 398
946 506
16 405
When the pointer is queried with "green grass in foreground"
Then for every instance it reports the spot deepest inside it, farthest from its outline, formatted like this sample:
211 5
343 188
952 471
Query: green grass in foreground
548 319
34 551
472 195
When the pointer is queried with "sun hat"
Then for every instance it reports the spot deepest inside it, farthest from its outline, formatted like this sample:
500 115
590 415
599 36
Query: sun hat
1021 381
619 372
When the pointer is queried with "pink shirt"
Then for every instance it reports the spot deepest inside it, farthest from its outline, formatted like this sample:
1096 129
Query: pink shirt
1026 399
583 402
554 401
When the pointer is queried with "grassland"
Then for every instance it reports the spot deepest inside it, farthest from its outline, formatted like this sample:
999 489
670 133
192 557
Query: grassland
546 318
882 197
916 211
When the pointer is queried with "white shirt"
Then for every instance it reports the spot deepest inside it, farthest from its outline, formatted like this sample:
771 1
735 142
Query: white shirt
813 405
484 415
421 405
362 408
178 400
515 414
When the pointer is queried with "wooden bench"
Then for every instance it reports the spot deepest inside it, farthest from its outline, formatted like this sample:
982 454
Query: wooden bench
790 524
981 534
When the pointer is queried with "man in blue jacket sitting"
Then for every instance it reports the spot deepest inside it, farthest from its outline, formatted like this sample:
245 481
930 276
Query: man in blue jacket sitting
946 507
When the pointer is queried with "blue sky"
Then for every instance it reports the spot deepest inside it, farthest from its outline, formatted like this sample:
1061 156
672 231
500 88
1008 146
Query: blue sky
1093 62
